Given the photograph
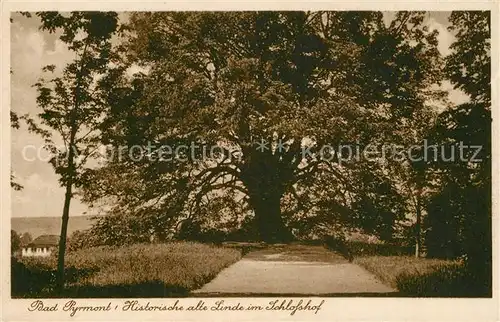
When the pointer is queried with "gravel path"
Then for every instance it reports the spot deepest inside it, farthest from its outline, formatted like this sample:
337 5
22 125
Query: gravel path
294 270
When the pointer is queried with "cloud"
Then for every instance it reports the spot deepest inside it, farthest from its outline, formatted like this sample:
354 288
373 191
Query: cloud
455 96
39 197
445 38
134 68
42 196
388 17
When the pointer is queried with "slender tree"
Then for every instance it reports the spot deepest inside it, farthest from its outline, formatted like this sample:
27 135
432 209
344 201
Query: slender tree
70 101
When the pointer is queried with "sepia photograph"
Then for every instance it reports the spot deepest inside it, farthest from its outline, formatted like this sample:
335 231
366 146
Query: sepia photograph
233 154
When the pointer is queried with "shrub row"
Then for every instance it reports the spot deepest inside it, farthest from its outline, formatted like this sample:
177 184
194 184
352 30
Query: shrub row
352 249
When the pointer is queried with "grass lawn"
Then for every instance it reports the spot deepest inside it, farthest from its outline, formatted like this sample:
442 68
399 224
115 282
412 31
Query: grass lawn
143 270
389 268
425 277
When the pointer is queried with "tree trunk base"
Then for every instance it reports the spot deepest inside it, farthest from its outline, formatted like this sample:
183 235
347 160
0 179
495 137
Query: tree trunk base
272 230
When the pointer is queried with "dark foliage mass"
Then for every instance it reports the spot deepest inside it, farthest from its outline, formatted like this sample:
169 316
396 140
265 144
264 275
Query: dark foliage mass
459 213
231 79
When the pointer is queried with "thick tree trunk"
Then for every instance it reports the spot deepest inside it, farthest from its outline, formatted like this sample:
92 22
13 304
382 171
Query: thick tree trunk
266 177
269 222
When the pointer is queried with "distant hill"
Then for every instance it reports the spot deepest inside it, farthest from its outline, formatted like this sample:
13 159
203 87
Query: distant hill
37 226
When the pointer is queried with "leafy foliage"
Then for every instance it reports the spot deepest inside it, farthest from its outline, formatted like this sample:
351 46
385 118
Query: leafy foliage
469 65
26 238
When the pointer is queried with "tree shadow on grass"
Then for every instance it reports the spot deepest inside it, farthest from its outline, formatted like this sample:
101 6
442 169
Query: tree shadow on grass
38 281
445 282
152 289
145 290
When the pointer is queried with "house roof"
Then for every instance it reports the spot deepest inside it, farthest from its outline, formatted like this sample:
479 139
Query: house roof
44 241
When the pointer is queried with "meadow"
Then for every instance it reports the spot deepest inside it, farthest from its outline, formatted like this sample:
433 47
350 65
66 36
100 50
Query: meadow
141 270
397 267
175 269
425 277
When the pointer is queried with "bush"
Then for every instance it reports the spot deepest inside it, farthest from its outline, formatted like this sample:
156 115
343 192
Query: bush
459 223
139 270
339 244
29 280
34 276
80 239
380 249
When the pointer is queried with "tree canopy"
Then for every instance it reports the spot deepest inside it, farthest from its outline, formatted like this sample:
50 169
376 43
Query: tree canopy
295 82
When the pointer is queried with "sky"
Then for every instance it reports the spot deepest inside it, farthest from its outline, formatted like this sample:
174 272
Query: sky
32 49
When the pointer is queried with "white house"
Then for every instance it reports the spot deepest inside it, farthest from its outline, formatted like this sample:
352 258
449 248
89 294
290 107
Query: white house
43 245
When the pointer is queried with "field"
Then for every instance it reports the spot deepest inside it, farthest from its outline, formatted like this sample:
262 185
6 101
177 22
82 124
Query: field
37 226
175 269
425 277
153 270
